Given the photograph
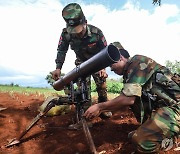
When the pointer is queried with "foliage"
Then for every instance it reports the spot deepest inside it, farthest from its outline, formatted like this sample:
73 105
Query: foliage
50 80
12 84
173 66
113 86
29 90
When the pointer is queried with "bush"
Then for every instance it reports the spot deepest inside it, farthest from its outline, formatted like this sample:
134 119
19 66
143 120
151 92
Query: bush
113 86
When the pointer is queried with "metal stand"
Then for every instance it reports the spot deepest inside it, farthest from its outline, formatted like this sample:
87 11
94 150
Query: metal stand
78 97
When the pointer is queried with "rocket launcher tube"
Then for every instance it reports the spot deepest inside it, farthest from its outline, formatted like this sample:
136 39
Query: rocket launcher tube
101 60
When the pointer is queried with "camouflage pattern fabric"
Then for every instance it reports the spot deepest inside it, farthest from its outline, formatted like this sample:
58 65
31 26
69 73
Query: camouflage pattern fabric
164 123
100 87
159 110
92 43
74 17
84 48
140 69
118 45
72 11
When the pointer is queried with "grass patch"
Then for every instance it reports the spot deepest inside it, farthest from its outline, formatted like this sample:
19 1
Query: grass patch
29 90
42 91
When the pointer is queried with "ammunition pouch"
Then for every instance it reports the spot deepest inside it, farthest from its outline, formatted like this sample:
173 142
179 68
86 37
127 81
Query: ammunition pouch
149 102
166 90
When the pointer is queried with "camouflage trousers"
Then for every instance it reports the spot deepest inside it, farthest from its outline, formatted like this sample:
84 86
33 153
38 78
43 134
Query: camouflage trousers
100 87
163 124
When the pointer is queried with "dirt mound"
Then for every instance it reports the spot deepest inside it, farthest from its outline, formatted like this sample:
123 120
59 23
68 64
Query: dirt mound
50 134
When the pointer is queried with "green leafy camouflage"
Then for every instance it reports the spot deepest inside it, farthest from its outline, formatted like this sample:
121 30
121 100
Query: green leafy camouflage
93 42
72 11
140 69
159 109
163 124
118 45
84 48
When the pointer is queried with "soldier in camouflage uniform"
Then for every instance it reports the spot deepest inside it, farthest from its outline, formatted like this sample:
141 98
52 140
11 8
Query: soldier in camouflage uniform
153 93
86 40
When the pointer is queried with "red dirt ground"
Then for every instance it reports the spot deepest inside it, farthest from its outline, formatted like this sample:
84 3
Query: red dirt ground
51 136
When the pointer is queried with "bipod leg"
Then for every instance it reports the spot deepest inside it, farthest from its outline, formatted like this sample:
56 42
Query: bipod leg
80 118
16 141
88 136
87 133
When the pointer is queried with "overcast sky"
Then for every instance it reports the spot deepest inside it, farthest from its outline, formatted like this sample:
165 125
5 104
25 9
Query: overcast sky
30 31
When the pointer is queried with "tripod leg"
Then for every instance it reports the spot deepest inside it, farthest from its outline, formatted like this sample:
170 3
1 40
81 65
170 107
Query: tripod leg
16 141
88 136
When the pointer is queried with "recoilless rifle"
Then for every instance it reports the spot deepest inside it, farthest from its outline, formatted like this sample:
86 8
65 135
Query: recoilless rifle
79 95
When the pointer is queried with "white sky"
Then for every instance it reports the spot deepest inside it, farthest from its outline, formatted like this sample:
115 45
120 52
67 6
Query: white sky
29 33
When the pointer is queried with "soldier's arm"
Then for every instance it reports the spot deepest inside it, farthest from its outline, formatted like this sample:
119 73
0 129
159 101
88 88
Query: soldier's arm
102 40
62 49
102 44
111 105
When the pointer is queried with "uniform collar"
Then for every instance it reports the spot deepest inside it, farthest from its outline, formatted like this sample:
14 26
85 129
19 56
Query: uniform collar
88 33
127 64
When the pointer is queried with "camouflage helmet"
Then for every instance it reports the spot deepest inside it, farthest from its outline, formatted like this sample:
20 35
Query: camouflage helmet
122 51
74 17
118 45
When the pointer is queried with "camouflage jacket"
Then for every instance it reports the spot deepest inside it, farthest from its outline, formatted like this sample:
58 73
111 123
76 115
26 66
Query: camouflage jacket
153 85
84 48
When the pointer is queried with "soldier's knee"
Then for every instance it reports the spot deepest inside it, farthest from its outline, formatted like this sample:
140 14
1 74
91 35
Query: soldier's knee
145 146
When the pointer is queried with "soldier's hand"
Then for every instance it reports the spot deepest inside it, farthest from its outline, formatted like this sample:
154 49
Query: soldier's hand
103 74
92 112
56 74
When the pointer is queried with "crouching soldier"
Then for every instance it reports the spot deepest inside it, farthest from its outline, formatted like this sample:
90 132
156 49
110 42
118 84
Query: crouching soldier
153 93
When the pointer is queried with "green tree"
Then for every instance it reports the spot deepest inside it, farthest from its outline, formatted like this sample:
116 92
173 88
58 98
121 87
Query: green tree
173 66
50 80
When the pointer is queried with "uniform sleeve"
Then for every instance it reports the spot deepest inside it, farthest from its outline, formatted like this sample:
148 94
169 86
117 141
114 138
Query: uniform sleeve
102 40
132 89
62 49
138 72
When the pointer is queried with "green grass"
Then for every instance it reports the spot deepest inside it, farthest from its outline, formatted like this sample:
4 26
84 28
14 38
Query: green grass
113 86
29 90
42 91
